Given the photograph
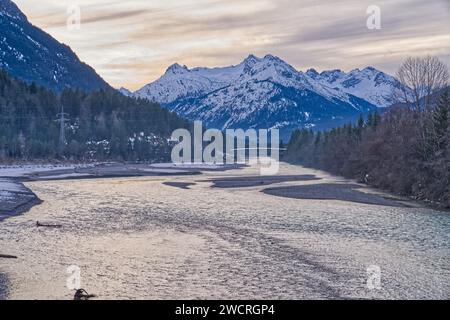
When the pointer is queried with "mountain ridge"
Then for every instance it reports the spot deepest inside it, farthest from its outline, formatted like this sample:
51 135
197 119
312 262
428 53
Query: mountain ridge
269 92
30 54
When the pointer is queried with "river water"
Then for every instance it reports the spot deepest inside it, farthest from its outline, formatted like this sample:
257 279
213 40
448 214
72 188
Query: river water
139 238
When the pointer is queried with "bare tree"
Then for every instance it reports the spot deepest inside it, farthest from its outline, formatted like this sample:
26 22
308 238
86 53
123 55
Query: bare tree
420 78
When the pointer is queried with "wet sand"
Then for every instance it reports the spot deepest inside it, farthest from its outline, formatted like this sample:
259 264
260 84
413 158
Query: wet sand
181 185
254 181
343 192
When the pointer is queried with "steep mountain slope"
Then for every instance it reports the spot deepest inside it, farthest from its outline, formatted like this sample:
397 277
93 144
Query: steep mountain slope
30 54
125 92
269 93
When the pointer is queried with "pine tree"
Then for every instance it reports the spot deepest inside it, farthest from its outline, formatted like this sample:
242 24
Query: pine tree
361 122
376 119
440 122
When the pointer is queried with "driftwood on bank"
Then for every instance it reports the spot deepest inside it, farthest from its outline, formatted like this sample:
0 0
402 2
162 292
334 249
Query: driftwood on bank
6 256
81 294
43 225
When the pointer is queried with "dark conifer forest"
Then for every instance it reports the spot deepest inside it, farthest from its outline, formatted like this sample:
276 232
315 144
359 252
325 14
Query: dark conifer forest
98 126
406 151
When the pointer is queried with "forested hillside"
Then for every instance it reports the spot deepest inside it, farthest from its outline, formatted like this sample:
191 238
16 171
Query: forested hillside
405 151
103 125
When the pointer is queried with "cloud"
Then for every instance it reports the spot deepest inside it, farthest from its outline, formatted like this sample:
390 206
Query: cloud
131 43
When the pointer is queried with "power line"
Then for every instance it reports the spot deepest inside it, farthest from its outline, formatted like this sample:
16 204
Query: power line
75 119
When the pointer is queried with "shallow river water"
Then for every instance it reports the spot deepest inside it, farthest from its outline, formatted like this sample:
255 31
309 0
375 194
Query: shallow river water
141 238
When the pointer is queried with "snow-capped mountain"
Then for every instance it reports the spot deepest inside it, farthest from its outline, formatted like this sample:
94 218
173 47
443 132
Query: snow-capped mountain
369 84
179 82
269 93
30 54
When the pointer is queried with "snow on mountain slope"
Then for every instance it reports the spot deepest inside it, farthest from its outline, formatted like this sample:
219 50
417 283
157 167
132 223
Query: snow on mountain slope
30 54
268 92
125 92
369 84
180 82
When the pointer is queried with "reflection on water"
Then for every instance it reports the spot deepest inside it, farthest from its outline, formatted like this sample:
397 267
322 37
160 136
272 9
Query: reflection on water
147 238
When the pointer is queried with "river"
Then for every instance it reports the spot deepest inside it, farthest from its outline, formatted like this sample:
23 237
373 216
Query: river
181 237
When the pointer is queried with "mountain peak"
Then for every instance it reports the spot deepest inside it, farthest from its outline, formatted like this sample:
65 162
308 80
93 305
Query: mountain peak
334 71
10 9
312 73
332 75
270 57
370 70
177 69
251 59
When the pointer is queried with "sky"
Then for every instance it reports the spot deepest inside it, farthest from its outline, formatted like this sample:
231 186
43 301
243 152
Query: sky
131 43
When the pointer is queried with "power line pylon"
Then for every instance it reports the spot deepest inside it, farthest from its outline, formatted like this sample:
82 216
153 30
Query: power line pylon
62 119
